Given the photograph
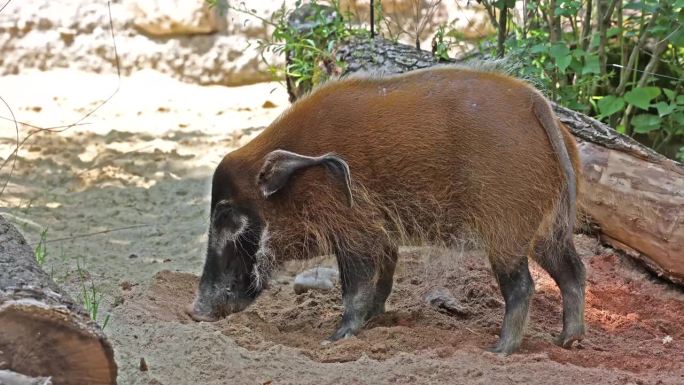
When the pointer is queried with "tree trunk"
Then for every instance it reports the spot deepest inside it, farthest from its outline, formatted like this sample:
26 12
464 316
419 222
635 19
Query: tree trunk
43 333
634 195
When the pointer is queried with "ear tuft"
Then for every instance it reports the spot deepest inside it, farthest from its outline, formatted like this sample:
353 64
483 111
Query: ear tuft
279 165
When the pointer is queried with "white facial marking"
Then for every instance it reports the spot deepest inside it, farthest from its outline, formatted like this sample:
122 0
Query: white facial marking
264 260
221 238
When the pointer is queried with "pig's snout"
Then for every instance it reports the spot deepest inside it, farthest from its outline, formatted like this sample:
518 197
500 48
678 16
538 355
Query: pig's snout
191 310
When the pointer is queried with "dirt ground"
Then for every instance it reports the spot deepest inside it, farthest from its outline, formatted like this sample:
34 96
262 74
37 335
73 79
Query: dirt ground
126 198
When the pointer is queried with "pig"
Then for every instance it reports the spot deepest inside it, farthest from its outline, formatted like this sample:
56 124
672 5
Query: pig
365 164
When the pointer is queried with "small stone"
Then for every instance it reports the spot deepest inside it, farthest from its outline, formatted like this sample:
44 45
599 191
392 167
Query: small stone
143 365
268 104
318 278
125 285
442 299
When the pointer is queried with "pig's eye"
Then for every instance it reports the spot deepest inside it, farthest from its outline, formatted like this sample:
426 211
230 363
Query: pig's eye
223 212
223 205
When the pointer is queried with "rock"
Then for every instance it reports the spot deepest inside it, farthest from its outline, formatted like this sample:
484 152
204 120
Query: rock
182 38
318 278
8 377
143 365
442 299
44 34
176 17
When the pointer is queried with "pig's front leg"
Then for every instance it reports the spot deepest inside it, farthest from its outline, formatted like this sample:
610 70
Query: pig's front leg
366 284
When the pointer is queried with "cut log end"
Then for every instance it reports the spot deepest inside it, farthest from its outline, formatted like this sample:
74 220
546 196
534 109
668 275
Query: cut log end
46 341
43 332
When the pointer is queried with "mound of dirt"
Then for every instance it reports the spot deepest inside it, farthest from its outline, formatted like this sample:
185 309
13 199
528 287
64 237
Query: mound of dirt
635 325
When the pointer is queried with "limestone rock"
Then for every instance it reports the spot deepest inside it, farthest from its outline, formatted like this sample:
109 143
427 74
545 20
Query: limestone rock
318 278
175 17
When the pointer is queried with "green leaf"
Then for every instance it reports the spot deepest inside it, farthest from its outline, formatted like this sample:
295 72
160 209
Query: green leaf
678 4
538 48
559 50
677 38
613 31
608 105
578 52
665 109
645 123
591 65
680 100
501 4
678 117
563 62
642 96
670 94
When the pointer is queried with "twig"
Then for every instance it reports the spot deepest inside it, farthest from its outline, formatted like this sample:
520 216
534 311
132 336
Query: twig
650 73
503 24
95 233
16 150
44 128
3 7
21 143
586 27
624 76
650 68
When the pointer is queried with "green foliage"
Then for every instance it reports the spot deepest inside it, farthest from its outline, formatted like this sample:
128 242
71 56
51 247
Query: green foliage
91 297
642 96
41 248
443 41
592 72
311 49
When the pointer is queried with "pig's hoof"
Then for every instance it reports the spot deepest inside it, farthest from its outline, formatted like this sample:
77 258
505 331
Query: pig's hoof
343 332
570 335
502 349
567 341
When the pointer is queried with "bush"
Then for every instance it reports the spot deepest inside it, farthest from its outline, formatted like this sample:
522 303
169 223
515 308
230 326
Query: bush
618 61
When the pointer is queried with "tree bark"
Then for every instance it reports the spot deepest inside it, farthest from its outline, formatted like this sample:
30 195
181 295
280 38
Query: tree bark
43 332
633 194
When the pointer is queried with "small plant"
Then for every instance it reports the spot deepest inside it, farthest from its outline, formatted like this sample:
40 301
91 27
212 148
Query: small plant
444 40
91 297
624 69
41 249
309 49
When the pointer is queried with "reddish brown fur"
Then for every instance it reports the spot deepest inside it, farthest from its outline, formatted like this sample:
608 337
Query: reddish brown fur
432 153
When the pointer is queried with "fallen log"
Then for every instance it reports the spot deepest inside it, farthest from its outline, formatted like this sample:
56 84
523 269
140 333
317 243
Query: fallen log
43 332
634 195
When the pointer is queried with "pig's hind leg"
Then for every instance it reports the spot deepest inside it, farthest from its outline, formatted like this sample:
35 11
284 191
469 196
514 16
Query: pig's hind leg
517 287
559 258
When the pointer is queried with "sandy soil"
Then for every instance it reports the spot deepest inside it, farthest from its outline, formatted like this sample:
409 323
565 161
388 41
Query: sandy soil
126 197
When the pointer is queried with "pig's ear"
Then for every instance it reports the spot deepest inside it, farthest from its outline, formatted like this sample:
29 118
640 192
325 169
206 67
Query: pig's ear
279 165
